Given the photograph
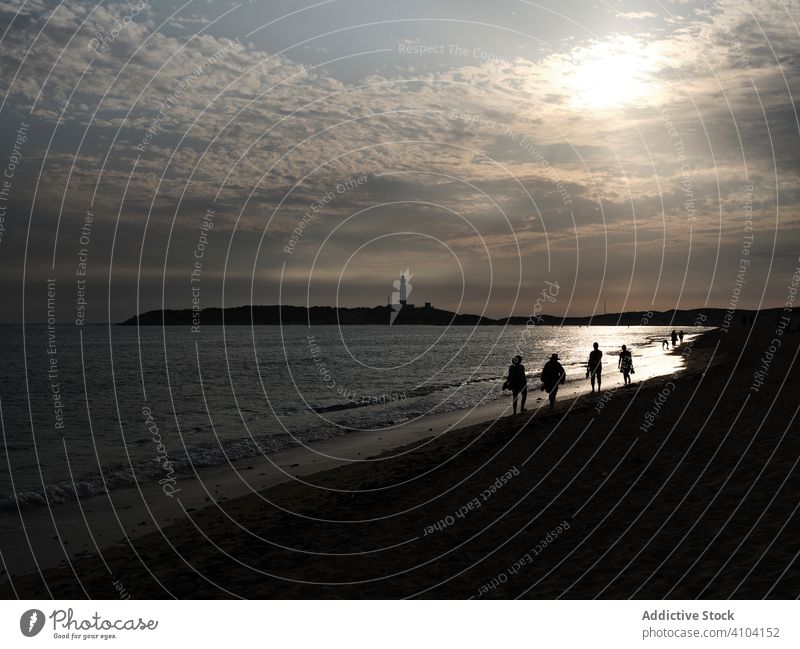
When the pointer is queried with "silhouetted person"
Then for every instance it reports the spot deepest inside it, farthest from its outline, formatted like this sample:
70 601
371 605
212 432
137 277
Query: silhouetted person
680 335
517 382
594 368
625 364
674 338
553 375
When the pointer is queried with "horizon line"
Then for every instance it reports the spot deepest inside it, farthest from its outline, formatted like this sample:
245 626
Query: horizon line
544 315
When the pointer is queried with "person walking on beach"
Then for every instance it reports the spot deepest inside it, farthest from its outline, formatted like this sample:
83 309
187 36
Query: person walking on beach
594 368
680 335
625 364
665 344
517 382
553 375
674 338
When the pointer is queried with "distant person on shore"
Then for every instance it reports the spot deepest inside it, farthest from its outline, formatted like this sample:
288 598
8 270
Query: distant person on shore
594 368
665 344
553 375
680 335
625 364
674 338
517 382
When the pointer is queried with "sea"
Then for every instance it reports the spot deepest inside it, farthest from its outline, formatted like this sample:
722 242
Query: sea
95 408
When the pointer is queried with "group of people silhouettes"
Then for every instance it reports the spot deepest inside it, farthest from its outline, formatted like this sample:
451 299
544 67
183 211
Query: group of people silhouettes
553 375
675 336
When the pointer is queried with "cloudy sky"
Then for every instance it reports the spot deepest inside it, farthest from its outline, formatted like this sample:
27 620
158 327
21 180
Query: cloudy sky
628 151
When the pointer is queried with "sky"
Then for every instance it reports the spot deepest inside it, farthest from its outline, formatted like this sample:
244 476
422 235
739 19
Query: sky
638 155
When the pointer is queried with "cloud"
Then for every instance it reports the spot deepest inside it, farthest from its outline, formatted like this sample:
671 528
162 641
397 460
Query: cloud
637 15
207 117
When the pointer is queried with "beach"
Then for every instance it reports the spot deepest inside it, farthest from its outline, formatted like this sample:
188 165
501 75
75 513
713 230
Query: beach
680 486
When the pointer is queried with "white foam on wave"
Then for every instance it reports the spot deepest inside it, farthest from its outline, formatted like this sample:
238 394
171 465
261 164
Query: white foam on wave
127 476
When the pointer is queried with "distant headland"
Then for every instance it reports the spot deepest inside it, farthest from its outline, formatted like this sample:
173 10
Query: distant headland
429 315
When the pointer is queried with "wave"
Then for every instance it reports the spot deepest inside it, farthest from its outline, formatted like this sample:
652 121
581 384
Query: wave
184 463
364 401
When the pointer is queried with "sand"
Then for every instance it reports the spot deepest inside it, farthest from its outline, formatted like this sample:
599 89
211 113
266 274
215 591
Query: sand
588 501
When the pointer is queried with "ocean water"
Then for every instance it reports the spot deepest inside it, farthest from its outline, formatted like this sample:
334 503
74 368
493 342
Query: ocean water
90 409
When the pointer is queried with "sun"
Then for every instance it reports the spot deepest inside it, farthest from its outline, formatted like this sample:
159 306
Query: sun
608 75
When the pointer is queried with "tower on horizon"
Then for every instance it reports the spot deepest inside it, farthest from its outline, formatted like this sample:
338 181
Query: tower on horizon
403 289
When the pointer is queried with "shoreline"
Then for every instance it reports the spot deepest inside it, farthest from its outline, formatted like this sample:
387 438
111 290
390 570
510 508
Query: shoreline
699 505
137 511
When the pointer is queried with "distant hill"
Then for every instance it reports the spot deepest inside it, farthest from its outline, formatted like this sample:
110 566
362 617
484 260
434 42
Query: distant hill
427 315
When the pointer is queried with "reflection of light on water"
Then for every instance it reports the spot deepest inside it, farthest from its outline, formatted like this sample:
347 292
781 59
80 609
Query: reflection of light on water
470 380
439 369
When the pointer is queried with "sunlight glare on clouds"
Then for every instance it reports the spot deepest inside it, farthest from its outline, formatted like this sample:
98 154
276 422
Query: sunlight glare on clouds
607 75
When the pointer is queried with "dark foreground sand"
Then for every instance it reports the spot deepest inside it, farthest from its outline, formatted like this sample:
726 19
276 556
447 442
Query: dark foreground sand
703 504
